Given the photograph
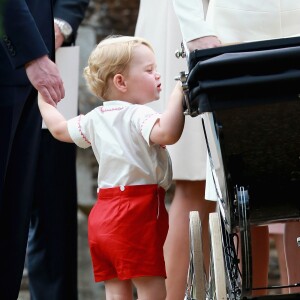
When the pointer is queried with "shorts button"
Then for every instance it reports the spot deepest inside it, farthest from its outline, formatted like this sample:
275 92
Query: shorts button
122 188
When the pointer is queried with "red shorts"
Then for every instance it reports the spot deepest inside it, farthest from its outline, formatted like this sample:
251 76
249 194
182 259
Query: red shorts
126 231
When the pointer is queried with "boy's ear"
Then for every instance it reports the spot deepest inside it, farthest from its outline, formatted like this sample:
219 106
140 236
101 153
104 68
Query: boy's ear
120 83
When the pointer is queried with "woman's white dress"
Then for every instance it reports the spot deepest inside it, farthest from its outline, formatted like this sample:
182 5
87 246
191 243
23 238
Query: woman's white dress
233 21
158 24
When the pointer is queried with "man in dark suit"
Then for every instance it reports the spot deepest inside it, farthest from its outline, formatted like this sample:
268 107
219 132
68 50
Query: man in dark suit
52 244
26 65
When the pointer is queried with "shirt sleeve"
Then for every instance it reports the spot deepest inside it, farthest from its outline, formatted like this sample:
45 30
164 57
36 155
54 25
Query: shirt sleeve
191 17
77 130
144 119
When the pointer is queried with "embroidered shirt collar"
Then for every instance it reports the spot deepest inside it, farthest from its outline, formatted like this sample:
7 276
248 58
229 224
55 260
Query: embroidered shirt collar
116 103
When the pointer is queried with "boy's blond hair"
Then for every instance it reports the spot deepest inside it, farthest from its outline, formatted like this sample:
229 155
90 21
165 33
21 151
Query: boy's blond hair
110 57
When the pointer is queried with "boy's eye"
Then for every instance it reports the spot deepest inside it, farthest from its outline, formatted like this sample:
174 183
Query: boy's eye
150 69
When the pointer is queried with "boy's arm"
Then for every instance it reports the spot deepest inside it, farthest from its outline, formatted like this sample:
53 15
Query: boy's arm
55 121
168 129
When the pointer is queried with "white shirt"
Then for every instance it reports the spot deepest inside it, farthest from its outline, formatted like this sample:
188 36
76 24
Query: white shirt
119 133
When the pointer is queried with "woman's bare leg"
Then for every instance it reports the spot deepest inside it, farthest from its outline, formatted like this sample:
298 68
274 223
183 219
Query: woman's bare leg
189 196
292 252
260 258
116 289
279 244
150 288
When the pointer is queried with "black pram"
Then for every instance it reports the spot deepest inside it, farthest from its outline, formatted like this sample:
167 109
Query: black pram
248 96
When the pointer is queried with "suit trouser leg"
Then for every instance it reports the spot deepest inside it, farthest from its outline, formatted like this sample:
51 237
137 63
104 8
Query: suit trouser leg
20 124
52 243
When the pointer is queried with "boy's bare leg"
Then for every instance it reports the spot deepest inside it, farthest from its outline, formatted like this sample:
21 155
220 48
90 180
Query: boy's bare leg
150 288
116 289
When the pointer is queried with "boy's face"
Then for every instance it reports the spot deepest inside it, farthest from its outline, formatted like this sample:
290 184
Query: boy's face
142 79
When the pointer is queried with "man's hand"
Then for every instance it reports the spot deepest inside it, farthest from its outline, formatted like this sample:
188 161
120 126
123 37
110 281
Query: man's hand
204 43
44 76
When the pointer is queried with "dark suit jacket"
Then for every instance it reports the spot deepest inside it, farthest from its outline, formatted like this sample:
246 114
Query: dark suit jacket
29 33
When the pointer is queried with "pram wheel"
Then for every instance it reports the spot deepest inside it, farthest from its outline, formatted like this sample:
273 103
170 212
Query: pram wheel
196 275
217 278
